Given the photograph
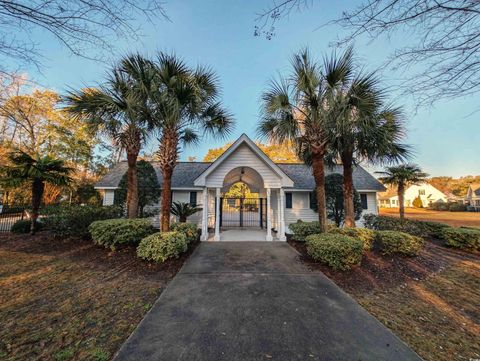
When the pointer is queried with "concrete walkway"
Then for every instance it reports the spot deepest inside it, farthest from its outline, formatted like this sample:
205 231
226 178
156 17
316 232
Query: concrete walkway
255 301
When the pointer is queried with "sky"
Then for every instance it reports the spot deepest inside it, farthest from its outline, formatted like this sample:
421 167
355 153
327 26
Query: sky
219 34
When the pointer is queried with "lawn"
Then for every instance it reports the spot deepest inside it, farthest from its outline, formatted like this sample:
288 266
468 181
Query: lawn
432 302
70 300
457 219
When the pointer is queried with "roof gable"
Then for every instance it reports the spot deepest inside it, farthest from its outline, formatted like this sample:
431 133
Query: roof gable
244 140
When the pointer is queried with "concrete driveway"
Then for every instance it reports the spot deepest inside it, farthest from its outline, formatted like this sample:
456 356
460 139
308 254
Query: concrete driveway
256 301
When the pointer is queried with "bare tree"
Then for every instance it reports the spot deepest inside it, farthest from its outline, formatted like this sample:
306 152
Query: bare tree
444 49
87 28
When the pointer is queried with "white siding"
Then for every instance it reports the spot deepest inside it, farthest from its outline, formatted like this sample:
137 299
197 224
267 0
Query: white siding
108 197
372 207
243 157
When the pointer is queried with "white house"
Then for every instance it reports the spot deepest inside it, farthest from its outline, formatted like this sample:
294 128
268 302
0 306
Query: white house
284 190
472 198
427 193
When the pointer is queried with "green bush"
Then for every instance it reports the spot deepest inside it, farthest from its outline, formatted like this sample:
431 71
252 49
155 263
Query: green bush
189 229
457 207
23 226
394 242
336 250
115 232
365 235
301 230
417 203
413 227
464 238
70 221
159 246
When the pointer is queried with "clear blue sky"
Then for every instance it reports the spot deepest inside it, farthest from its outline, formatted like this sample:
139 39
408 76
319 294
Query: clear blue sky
219 34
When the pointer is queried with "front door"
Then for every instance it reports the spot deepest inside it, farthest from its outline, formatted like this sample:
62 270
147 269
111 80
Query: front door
242 212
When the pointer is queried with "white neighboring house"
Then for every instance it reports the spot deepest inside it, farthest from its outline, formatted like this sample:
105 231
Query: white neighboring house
472 198
284 190
427 193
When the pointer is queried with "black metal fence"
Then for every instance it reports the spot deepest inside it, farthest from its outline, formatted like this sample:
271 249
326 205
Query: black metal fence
243 212
9 214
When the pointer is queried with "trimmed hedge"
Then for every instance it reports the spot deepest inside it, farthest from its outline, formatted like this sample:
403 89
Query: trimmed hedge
464 238
413 227
336 250
23 226
115 232
301 230
189 229
159 247
70 221
367 236
394 242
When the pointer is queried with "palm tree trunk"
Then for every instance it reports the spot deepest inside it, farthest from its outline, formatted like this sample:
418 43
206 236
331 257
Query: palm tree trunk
348 192
168 154
132 185
401 205
318 167
37 193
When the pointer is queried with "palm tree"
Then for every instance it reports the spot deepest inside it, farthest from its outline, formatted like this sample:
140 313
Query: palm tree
297 109
36 171
183 210
402 176
361 127
118 110
183 106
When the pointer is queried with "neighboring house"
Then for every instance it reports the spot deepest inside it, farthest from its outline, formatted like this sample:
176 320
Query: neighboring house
472 198
284 190
427 193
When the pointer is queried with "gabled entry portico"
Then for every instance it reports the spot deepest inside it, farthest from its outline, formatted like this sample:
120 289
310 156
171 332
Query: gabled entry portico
244 162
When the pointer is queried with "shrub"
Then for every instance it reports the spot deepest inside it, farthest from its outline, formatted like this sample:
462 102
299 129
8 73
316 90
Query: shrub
336 250
365 235
413 227
23 226
190 230
114 232
464 238
457 207
417 203
74 220
159 246
301 229
394 242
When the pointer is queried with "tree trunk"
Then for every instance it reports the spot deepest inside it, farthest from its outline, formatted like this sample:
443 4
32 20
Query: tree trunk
318 168
348 192
168 153
401 206
132 185
37 193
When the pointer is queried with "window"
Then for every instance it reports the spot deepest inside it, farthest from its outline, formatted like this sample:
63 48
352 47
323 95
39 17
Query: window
288 200
311 199
363 199
421 192
193 199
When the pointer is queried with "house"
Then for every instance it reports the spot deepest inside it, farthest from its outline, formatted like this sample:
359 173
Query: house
472 199
428 194
284 190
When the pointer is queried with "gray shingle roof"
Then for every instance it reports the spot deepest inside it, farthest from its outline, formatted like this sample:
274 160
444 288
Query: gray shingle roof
185 174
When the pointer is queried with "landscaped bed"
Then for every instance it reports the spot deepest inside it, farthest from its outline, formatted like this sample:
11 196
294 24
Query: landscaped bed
432 301
72 300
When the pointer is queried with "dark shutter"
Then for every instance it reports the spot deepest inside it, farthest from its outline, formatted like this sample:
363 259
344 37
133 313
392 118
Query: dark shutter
311 200
288 200
193 199
363 199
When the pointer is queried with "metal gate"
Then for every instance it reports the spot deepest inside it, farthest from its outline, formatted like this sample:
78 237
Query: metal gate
243 212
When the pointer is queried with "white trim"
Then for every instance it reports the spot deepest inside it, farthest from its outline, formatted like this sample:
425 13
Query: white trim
107 188
286 180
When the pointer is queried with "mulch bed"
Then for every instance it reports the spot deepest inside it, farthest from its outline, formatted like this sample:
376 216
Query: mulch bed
71 300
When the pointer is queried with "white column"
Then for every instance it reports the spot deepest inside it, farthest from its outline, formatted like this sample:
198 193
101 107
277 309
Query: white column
217 216
279 215
269 222
205 215
281 236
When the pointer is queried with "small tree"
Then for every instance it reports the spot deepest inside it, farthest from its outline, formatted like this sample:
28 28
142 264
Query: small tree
148 187
334 199
38 171
417 202
183 210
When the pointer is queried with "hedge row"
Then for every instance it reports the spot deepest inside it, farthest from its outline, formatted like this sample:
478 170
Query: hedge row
410 226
